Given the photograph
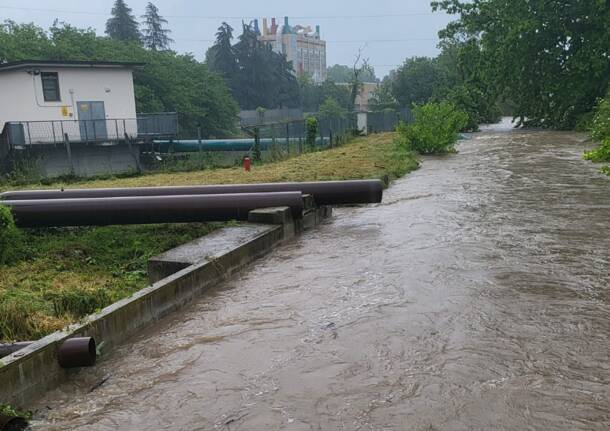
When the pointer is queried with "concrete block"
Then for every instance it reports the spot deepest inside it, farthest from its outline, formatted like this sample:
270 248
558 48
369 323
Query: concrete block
204 249
276 215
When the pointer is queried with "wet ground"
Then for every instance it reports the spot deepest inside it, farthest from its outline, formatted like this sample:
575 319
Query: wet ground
475 297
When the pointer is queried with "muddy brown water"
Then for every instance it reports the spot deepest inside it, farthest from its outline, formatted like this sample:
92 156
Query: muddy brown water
475 297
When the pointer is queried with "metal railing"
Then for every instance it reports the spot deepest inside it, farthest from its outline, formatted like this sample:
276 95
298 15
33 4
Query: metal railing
328 127
25 133
158 125
386 121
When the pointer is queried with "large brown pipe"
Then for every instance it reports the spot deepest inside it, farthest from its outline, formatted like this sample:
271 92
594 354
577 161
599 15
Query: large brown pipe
148 209
77 352
325 192
12 423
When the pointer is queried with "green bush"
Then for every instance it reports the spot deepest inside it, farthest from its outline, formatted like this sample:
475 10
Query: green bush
10 237
435 129
601 153
600 126
311 126
600 131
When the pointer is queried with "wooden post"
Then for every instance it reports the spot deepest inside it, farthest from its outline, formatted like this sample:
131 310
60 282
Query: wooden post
132 151
69 151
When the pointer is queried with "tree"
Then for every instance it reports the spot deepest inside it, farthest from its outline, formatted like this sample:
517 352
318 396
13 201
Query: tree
463 82
167 82
415 81
221 56
359 69
122 25
331 109
22 42
263 78
313 94
550 58
382 97
155 36
343 74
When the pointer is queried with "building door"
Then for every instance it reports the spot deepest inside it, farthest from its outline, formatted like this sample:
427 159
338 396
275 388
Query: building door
92 121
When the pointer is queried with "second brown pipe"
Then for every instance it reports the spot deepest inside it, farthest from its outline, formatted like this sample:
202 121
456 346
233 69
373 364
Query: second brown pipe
148 209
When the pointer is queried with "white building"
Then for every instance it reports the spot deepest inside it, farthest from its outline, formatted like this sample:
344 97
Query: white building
87 100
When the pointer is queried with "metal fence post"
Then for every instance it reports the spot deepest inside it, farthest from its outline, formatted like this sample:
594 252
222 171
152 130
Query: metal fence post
199 139
69 151
53 127
29 134
86 132
288 138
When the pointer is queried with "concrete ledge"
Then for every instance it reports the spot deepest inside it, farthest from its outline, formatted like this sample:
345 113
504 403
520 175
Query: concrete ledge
28 372
201 264
205 249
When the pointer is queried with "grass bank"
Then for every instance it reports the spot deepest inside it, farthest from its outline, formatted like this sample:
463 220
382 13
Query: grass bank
375 156
57 276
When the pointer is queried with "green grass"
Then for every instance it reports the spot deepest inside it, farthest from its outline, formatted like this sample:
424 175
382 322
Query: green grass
60 275
57 276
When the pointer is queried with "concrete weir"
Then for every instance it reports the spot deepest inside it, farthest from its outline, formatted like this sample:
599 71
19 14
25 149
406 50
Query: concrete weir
177 276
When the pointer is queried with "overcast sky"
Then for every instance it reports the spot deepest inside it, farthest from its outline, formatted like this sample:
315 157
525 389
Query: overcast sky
389 30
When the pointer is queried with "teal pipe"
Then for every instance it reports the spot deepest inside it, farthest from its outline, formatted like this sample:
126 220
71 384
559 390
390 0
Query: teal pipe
241 145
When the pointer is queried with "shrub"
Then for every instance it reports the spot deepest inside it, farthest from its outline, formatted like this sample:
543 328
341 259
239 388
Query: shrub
10 237
435 129
601 153
311 126
600 126
600 131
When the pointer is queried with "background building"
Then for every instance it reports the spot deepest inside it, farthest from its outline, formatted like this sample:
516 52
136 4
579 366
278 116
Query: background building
301 45
365 94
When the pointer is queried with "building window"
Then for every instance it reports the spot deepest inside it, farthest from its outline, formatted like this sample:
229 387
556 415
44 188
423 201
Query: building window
50 86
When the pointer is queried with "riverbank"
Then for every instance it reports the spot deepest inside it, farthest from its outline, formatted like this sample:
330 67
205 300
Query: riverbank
60 275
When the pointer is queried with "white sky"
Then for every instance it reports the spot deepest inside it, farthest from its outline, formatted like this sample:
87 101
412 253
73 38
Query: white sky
389 30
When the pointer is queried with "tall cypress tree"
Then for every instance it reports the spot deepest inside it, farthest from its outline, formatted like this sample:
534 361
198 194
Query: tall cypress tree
224 60
155 36
122 25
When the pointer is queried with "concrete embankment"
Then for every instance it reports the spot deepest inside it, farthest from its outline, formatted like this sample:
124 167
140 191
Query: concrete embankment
177 276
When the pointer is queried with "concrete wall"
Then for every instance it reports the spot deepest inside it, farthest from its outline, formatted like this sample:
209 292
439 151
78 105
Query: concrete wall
29 372
87 161
21 96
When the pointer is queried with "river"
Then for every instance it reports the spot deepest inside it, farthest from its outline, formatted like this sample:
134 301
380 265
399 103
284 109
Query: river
475 297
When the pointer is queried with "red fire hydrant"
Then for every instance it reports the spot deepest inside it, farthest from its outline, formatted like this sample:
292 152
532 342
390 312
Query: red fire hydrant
247 164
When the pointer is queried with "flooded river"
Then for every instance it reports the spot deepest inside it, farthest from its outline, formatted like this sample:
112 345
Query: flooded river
475 297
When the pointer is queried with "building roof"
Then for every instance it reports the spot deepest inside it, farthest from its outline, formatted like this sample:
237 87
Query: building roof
24 64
